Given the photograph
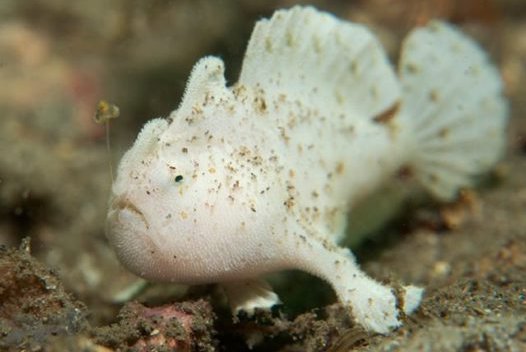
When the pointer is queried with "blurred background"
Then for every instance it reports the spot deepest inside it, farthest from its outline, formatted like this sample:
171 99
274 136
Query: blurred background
59 58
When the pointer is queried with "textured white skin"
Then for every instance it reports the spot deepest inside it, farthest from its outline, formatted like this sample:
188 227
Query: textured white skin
455 112
271 165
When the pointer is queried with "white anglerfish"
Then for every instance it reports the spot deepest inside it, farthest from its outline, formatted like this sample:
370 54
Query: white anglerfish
258 177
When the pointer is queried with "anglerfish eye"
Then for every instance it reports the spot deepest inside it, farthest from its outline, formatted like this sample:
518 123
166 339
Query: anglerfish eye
179 178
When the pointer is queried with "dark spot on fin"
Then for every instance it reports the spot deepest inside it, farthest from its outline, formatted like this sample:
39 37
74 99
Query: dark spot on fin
405 173
388 115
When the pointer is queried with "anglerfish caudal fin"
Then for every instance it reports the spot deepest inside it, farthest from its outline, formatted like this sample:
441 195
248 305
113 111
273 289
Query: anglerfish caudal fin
311 56
453 109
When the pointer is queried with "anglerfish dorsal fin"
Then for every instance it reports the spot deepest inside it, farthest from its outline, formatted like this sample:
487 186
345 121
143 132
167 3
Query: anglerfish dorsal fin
206 81
314 57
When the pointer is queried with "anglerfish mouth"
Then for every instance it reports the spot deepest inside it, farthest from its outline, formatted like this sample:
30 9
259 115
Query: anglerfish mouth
121 205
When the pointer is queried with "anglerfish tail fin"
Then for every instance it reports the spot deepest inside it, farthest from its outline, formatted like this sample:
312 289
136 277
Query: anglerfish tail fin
453 110
306 55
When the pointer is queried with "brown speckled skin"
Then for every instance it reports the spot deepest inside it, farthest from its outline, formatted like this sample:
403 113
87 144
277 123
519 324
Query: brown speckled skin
255 178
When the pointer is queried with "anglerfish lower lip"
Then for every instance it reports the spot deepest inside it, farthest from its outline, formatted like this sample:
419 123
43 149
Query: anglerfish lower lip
122 202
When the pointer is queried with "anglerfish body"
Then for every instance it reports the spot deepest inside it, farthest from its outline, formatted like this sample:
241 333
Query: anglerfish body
258 177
